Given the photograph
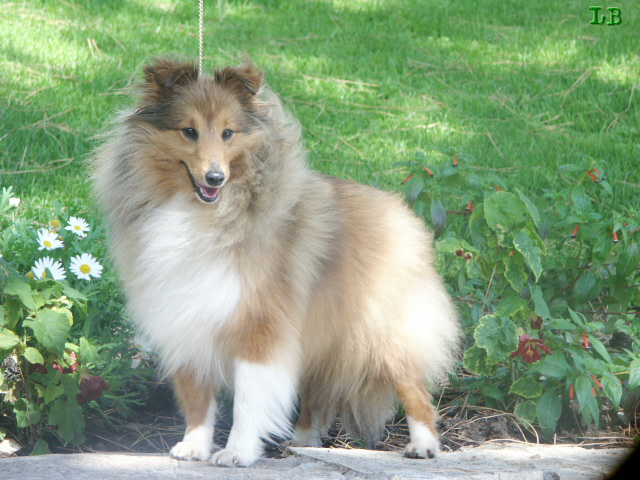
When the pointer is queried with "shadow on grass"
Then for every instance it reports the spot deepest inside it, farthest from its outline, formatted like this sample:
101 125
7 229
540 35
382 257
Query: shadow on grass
371 82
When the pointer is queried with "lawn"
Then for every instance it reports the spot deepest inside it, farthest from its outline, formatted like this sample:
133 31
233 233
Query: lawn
519 90
523 89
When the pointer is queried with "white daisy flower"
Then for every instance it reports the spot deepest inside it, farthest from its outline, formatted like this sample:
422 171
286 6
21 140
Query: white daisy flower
85 266
48 240
54 267
142 343
78 226
14 202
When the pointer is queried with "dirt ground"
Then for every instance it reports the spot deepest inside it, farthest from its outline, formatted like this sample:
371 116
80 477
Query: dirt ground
158 426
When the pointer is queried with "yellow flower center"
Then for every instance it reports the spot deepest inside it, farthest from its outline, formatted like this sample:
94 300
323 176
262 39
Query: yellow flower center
77 227
55 224
84 268
47 244
44 274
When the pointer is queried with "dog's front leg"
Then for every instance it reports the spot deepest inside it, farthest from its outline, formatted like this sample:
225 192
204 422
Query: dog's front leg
264 396
198 404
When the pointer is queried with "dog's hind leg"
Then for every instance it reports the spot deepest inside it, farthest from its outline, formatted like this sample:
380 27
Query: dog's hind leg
310 427
198 404
421 417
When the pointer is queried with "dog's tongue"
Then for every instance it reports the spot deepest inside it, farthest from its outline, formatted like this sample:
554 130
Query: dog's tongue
208 191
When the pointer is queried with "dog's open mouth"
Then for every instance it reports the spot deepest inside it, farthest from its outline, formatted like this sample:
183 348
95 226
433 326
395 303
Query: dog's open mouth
206 194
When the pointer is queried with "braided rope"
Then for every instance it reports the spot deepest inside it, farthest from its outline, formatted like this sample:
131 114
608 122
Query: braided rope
201 38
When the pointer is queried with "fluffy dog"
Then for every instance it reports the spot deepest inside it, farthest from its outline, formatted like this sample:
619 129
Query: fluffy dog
244 268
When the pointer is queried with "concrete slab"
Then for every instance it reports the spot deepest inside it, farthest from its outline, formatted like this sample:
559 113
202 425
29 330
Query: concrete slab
487 462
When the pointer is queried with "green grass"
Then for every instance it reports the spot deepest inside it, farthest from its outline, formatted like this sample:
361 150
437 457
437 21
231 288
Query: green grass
524 87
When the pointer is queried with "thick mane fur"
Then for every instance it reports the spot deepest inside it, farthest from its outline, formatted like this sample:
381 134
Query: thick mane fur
278 160
244 267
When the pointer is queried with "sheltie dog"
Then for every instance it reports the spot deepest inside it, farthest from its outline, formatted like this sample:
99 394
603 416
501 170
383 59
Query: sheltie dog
244 268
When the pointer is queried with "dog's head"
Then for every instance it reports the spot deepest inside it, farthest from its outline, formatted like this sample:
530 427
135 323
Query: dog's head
198 130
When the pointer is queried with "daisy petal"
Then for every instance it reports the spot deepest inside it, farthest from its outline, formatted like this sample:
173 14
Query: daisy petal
78 226
47 264
85 266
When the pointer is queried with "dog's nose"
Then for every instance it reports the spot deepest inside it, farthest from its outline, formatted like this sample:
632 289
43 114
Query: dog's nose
214 178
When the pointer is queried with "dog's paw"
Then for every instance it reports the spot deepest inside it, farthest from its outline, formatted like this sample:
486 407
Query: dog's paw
231 457
417 450
188 450
424 444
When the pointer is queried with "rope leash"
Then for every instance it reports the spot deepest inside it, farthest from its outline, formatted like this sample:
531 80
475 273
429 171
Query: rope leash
201 37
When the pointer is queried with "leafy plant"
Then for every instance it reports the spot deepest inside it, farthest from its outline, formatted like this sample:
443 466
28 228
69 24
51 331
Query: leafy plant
547 281
49 346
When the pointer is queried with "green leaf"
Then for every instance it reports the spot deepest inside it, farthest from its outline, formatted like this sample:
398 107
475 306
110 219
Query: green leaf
51 328
514 271
2 312
510 304
414 187
586 400
52 377
18 287
33 356
452 245
612 388
497 336
88 353
51 393
68 417
561 324
70 384
553 366
599 347
527 410
27 413
549 411
634 374
420 207
475 360
492 391
607 187
531 208
526 387
529 250
628 260
8 339
438 217
40 448
541 307
73 294
14 313
503 209
578 318
580 200
587 287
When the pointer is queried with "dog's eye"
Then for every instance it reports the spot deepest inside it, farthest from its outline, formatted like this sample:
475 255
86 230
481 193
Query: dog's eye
227 134
190 133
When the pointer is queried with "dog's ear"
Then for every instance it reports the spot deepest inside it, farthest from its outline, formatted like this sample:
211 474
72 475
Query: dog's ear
245 79
163 76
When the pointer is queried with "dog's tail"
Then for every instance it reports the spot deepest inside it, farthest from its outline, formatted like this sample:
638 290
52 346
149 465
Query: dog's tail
365 416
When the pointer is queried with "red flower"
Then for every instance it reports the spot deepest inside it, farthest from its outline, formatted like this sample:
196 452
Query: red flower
91 387
530 349
71 369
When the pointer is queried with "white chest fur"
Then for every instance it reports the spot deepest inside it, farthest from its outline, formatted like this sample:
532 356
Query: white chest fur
182 289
